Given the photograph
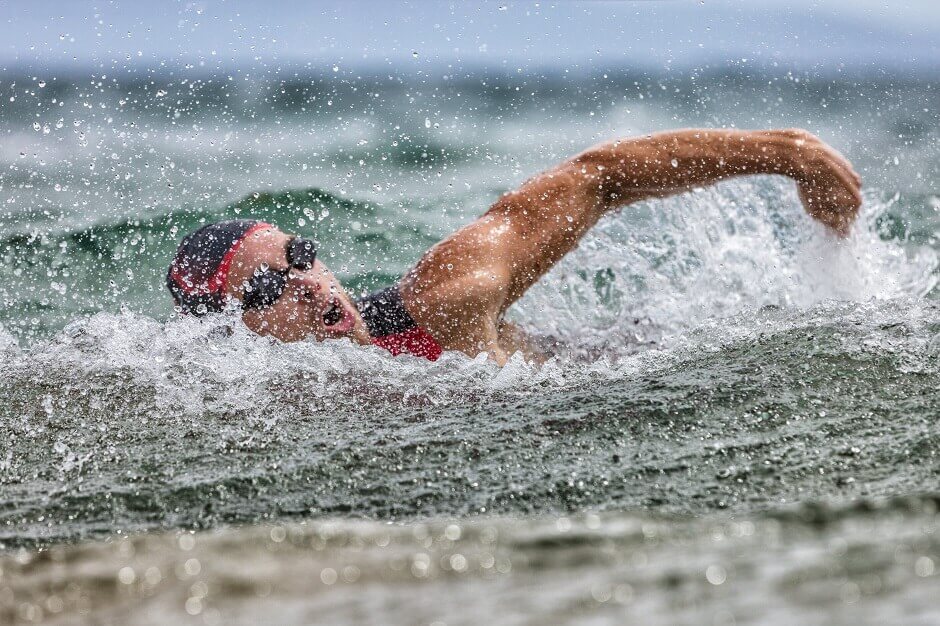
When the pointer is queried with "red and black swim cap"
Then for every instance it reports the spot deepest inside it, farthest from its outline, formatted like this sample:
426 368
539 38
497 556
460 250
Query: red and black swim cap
198 275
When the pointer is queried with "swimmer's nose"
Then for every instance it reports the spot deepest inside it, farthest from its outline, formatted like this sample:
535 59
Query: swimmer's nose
314 285
305 285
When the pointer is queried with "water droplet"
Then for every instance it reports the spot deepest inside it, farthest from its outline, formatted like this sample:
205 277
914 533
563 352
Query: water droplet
924 566
126 575
328 576
716 574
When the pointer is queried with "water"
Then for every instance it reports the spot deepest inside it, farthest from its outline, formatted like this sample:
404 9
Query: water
743 429
818 565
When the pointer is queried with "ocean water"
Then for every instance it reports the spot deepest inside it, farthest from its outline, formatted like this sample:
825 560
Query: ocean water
743 430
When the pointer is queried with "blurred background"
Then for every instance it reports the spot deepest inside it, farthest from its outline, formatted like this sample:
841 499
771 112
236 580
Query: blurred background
644 34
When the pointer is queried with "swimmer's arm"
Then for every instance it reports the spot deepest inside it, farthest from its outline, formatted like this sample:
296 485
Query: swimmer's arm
464 284
626 171
544 219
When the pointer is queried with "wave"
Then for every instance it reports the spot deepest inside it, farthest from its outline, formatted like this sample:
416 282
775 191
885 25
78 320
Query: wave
277 206
125 422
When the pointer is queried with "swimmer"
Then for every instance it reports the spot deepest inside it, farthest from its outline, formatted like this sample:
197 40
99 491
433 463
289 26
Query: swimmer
456 297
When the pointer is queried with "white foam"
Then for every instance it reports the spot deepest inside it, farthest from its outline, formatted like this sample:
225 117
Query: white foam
735 247
8 343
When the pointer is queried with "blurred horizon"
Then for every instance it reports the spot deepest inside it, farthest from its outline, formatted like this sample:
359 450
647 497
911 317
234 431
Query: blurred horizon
648 36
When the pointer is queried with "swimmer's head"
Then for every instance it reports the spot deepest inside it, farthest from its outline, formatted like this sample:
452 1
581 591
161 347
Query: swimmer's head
283 289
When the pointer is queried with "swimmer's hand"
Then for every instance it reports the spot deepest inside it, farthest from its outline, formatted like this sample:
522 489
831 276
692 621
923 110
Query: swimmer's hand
829 188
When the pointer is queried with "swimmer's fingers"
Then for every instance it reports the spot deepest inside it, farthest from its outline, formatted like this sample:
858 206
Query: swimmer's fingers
837 210
830 188
831 199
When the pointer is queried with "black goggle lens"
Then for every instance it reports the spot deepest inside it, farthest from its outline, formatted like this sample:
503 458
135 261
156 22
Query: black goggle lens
266 286
301 253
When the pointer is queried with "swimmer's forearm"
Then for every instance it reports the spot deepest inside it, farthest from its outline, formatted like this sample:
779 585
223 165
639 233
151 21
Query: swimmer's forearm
668 163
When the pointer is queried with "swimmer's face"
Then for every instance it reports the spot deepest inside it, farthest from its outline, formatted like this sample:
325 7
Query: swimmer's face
308 294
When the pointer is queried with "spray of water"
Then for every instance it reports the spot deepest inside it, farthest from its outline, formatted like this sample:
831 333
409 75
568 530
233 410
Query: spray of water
657 269
648 287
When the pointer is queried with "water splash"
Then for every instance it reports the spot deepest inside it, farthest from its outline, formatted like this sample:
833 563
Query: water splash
659 268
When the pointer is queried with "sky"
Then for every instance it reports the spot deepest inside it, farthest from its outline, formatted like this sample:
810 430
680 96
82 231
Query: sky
38 34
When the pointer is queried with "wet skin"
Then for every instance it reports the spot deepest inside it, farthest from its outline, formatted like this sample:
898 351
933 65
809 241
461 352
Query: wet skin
462 287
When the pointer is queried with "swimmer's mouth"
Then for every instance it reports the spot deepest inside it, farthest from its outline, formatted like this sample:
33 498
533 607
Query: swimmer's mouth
337 319
334 314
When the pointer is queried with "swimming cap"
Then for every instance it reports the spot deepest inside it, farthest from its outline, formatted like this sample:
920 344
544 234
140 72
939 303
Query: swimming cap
198 275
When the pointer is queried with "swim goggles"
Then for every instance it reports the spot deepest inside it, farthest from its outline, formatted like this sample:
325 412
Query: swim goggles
264 288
